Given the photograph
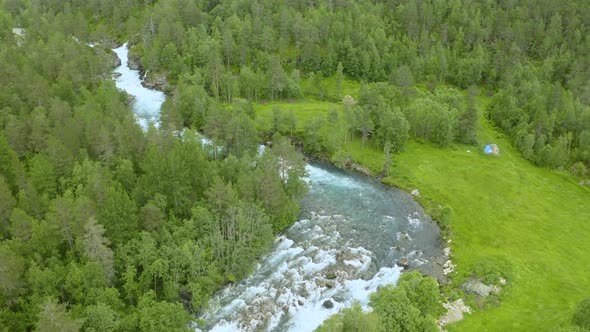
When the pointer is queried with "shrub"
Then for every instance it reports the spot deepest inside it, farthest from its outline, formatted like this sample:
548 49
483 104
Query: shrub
491 268
444 216
342 159
582 314
578 169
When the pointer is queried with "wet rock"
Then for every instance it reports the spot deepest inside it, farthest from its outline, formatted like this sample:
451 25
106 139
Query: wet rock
301 303
403 262
328 304
325 283
117 75
116 62
403 236
304 293
415 253
331 275
431 267
339 298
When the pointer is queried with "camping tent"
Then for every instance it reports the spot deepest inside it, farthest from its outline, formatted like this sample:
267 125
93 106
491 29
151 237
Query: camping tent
492 149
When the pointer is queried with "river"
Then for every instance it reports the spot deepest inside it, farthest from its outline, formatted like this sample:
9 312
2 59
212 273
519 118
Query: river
146 103
351 233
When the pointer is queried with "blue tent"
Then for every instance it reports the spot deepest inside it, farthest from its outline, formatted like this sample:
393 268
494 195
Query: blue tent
488 149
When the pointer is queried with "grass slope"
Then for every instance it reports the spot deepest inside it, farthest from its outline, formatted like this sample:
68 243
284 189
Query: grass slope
534 219
303 110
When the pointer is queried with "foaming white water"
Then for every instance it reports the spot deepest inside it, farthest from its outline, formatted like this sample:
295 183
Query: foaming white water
345 247
322 176
313 314
147 103
414 219
301 283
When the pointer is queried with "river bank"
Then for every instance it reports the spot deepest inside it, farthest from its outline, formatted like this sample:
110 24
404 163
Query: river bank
508 221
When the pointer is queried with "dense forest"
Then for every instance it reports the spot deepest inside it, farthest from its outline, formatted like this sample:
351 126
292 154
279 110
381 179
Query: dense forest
104 227
532 54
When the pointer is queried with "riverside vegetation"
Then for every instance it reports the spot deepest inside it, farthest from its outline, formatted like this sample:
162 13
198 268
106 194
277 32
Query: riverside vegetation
105 228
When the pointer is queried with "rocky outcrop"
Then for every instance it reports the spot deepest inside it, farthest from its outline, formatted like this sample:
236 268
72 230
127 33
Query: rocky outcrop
479 288
403 262
130 99
156 82
361 169
115 61
134 61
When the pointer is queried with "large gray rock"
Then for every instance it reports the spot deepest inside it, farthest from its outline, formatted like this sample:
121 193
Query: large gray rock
134 61
480 288
116 62
403 262
455 312
328 304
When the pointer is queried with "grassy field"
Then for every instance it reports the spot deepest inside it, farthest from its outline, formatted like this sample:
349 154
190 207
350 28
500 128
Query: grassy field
309 107
533 220
303 111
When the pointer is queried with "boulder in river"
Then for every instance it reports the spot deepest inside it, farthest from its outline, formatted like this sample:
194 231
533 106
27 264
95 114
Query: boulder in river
331 274
403 262
328 304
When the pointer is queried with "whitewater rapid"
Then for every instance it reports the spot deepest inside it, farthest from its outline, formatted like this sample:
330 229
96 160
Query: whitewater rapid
146 102
345 246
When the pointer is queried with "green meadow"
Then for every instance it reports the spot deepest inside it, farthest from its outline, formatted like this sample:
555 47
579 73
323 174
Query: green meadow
530 224
303 110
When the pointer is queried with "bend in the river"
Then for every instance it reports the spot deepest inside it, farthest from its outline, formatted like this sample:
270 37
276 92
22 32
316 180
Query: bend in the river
352 232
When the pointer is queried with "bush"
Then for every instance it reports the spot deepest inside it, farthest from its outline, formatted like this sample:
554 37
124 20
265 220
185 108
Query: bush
491 268
352 319
578 169
582 314
444 216
412 305
342 159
